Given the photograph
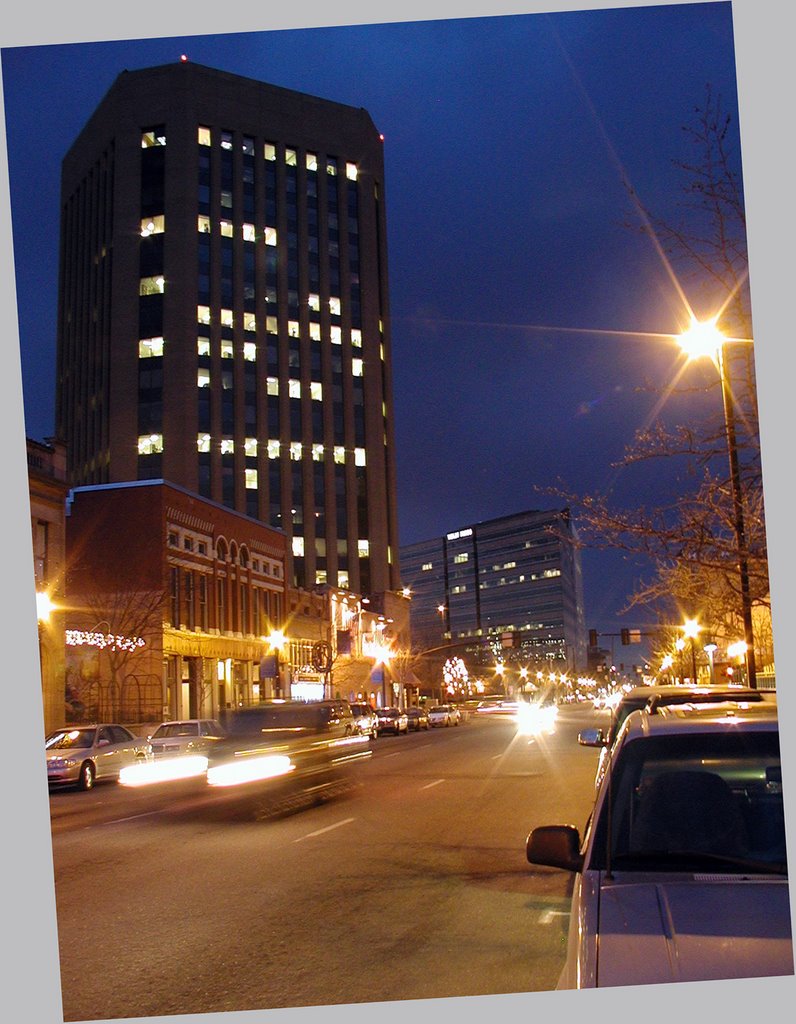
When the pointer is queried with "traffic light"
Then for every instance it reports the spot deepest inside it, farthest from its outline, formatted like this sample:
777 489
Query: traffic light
592 638
625 634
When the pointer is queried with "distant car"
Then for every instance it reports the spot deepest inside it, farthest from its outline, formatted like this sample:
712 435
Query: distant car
652 698
443 714
417 719
187 736
339 713
86 754
682 873
366 722
392 720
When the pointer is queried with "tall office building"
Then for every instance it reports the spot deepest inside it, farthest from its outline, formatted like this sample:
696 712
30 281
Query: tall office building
512 585
223 313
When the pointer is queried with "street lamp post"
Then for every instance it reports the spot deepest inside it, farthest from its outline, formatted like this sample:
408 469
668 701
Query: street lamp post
707 339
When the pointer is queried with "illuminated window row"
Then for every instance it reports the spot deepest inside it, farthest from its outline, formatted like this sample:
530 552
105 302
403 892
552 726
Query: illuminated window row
227 348
299 550
227 229
205 138
204 316
273 447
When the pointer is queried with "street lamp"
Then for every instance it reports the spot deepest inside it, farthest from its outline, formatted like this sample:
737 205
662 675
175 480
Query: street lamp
705 339
680 644
691 630
710 650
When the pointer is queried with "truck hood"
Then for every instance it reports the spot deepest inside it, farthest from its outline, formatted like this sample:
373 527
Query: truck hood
707 928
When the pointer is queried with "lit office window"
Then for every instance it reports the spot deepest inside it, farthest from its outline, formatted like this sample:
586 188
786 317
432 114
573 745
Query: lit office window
336 335
316 391
360 458
334 306
203 224
295 451
153 225
351 171
356 337
203 136
339 454
227 350
150 444
152 285
317 453
294 388
150 348
227 446
315 331
249 232
269 151
271 325
298 547
249 349
312 161
202 346
203 314
153 137
314 302
270 236
227 228
357 367
363 547
293 328
203 442
272 385
227 318
203 377
251 479
273 448
250 446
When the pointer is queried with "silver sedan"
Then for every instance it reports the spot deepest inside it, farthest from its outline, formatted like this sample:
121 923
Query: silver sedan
87 754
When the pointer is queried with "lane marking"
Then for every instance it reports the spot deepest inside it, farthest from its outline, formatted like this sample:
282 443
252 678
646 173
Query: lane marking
320 831
430 784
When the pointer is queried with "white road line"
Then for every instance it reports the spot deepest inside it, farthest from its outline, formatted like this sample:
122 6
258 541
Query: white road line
320 831
430 784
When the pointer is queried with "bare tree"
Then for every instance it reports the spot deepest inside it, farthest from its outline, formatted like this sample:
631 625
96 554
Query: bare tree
692 543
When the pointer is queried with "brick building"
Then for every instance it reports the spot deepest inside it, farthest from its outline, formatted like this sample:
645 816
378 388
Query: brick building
171 601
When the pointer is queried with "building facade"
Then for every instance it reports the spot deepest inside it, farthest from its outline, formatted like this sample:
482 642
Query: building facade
47 490
510 586
224 312
172 604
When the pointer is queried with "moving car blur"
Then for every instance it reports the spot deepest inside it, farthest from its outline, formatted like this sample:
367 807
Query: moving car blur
366 722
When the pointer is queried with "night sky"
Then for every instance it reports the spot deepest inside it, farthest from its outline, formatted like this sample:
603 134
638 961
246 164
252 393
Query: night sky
512 235
504 140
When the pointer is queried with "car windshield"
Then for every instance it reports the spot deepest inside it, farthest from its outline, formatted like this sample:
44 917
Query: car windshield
695 802
72 738
172 729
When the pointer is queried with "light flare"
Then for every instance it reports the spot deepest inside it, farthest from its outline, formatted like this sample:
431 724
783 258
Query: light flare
253 769
168 769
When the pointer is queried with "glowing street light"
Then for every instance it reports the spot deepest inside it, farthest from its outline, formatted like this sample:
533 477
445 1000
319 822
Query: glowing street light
705 339
691 630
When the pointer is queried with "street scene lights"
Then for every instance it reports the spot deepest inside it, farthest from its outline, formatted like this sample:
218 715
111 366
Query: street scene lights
705 339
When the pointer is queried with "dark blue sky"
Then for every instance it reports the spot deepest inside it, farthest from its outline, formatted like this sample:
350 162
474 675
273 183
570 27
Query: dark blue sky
511 233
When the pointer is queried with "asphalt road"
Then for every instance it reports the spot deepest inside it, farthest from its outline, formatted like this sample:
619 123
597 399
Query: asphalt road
412 885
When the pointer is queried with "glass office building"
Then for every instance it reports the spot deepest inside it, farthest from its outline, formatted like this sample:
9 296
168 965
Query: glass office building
511 586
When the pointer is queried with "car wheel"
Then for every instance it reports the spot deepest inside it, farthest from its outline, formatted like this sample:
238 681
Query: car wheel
88 776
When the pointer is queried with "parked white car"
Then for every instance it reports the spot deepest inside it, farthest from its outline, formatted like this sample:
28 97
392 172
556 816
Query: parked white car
187 736
682 874
443 714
